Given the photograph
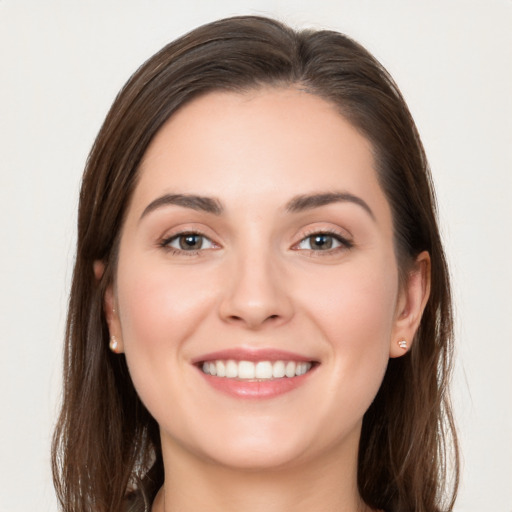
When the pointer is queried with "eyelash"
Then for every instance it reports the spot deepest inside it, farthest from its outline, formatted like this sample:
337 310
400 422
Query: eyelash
345 244
175 251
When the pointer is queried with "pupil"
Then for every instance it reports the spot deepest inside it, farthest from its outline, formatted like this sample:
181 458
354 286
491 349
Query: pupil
322 242
190 242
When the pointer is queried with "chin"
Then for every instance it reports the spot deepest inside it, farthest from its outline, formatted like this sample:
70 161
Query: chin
257 458
262 446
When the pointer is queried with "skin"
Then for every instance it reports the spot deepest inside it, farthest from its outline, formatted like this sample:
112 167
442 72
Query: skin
257 282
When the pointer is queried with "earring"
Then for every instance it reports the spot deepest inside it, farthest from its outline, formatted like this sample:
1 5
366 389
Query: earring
114 344
402 344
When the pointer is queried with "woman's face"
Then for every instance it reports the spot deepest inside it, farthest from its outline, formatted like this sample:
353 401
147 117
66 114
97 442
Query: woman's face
258 243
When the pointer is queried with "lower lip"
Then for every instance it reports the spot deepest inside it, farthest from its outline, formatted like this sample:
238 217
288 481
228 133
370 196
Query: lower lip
256 389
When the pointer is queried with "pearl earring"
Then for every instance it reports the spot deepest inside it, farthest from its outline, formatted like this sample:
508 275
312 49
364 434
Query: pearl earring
402 344
114 344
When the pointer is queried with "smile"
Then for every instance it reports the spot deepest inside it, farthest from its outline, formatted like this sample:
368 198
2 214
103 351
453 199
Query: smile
249 373
255 370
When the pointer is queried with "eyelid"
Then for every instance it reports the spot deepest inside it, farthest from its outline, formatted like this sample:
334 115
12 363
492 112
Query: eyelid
174 238
336 241
345 241
165 241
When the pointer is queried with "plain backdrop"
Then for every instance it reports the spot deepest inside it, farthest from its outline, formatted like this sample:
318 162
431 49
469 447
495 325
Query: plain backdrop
61 65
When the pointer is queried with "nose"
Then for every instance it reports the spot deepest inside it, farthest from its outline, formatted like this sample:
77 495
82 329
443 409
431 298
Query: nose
255 294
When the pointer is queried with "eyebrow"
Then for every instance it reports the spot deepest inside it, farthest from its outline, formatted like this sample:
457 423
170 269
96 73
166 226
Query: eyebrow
200 203
309 201
295 205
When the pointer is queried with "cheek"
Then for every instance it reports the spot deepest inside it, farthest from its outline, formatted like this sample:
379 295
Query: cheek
357 317
356 301
159 310
159 304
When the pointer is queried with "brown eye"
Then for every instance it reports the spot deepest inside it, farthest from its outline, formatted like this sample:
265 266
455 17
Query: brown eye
323 242
188 242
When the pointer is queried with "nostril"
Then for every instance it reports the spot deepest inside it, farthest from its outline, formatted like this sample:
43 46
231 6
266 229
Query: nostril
238 318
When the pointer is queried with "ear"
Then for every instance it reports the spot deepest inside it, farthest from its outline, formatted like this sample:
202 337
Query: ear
413 298
110 310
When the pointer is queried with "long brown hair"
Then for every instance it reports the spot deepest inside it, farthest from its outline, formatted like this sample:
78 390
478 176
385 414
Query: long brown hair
106 443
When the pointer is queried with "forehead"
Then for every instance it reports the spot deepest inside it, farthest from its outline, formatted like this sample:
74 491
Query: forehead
254 147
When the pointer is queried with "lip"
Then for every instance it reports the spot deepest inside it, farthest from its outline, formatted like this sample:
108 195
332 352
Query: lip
251 354
255 389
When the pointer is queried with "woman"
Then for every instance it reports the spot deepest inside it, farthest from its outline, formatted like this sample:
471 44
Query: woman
260 303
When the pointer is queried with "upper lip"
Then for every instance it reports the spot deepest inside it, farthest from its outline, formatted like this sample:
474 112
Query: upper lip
252 354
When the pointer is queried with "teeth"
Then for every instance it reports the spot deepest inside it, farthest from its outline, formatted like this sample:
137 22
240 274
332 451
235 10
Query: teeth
290 369
301 369
231 370
246 370
264 370
221 369
261 370
278 370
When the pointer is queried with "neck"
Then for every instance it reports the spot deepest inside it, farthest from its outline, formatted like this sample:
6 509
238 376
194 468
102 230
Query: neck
328 484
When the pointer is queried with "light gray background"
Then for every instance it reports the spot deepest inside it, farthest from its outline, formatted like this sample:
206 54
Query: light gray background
62 62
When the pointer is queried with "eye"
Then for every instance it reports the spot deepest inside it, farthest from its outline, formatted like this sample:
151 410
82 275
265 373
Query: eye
323 242
188 242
